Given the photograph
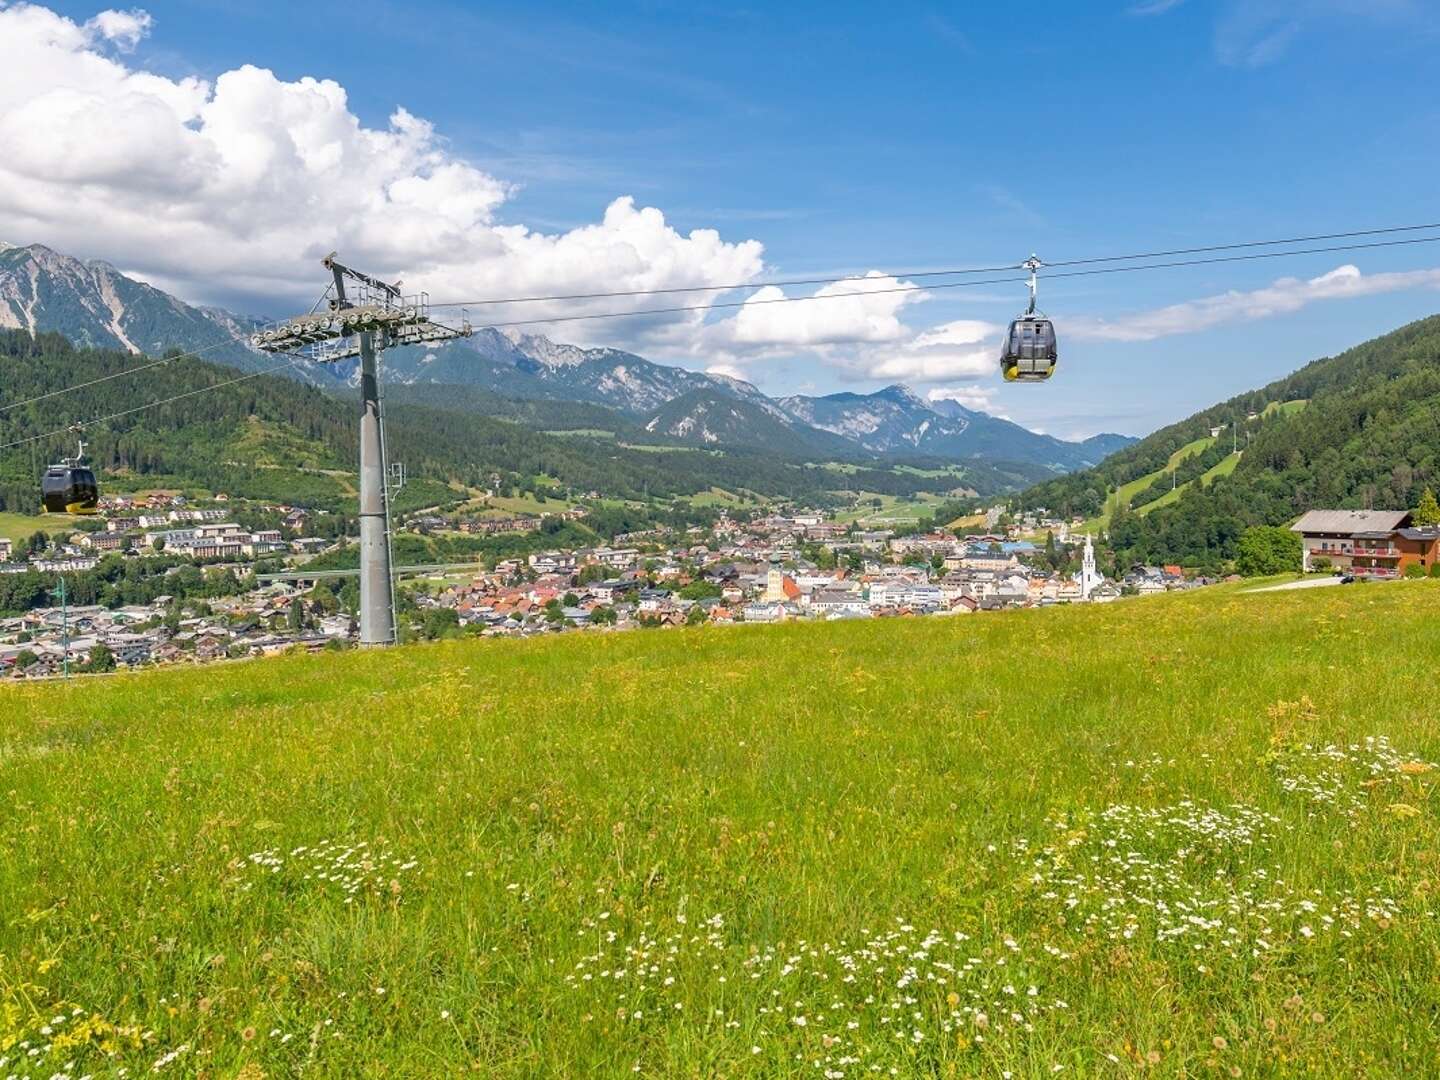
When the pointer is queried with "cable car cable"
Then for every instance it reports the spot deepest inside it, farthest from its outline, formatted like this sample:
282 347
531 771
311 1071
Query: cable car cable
954 284
780 300
130 371
942 273
82 424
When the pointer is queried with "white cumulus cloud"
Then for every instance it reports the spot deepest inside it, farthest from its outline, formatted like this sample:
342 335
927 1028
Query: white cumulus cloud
124 28
1283 296
238 186
976 398
856 309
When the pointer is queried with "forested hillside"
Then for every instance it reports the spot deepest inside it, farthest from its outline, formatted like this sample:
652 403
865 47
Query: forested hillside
272 438
1358 429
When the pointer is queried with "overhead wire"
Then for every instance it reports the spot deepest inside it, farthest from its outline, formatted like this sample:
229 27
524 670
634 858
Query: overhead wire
955 284
81 425
1095 271
941 273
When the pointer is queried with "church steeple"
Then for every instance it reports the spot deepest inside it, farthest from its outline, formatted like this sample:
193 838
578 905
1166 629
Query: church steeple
1089 576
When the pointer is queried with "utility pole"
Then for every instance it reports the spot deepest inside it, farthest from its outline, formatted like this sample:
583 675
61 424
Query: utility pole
64 628
366 316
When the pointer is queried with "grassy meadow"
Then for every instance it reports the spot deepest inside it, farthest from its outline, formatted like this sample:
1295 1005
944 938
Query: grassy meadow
1191 835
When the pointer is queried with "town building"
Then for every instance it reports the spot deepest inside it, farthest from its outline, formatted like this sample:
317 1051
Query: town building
1368 543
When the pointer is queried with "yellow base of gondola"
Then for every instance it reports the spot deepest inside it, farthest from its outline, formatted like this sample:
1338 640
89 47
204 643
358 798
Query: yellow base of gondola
1012 374
76 509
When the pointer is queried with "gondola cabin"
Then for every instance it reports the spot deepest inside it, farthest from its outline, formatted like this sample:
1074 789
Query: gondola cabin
1030 351
70 487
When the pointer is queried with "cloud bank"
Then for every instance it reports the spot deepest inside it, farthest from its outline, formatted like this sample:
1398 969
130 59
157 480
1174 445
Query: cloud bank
1284 296
233 188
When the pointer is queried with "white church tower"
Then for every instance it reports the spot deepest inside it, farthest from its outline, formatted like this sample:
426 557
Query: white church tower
1089 576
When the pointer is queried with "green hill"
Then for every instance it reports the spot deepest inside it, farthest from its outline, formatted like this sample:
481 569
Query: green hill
1361 428
269 438
1125 495
1195 832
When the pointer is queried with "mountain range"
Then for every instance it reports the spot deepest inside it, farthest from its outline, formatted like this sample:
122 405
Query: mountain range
94 304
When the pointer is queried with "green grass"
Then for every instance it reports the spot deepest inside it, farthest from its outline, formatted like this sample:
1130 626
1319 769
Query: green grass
1285 408
519 504
1190 449
1128 491
732 828
720 497
893 508
1224 467
584 433
18 527
653 448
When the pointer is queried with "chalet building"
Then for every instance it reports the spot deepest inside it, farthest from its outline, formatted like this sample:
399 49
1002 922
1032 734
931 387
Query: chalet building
1418 546
1368 543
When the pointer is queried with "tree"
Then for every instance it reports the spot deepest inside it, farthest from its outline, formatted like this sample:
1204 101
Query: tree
700 590
1268 549
101 659
322 598
441 622
695 616
24 659
1427 514
297 615
603 616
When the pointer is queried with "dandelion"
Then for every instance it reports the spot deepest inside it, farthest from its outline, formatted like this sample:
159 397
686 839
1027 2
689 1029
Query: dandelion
1219 1042
248 1034
1317 1018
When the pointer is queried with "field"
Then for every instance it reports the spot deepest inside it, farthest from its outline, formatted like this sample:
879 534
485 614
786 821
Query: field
18 527
1285 408
729 499
1192 835
892 509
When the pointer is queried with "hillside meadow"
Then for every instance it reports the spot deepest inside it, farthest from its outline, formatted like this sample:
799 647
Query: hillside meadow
1190 835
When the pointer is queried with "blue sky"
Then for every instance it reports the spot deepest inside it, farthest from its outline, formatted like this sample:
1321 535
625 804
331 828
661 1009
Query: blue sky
851 138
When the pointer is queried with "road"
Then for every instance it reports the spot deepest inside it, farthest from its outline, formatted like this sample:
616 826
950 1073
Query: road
1304 583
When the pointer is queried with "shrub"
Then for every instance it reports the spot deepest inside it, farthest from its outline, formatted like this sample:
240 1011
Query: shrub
1414 570
1268 549
1320 564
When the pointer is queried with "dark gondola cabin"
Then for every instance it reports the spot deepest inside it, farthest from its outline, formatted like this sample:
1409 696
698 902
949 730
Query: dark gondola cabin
69 488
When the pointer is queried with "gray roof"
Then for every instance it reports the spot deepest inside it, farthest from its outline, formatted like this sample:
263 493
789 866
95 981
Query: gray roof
1349 521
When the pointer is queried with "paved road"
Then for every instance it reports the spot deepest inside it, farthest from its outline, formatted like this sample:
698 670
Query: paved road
1304 583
